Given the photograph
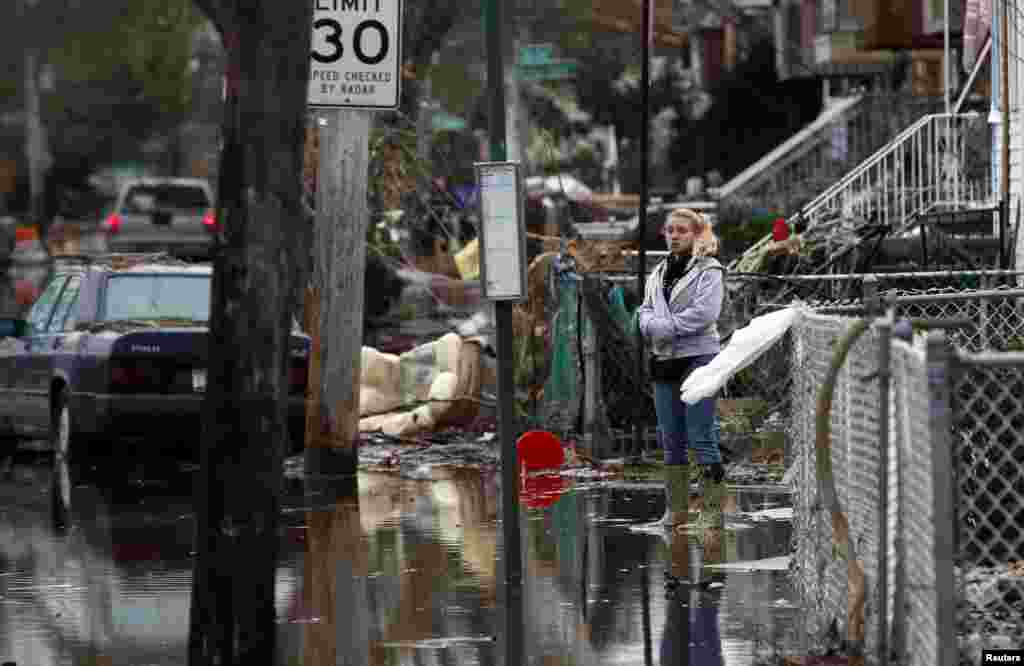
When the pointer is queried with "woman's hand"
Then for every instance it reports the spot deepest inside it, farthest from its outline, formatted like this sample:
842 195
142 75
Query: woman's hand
642 318
659 328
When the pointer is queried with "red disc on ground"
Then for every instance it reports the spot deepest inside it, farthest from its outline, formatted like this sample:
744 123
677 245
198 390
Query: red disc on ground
539 449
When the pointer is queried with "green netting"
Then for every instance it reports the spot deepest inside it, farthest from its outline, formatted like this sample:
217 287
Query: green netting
626 396
562 390
619 311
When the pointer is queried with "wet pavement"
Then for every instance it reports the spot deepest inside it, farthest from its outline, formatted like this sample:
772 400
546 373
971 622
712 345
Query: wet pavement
410 572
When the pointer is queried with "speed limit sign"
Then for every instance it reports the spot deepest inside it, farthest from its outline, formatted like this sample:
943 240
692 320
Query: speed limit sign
356 55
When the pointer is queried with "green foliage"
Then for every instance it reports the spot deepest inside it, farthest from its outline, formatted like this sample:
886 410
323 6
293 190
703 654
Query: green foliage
8 88
751 113
1015 344
121 76
544 151
455 84
148 48
738 226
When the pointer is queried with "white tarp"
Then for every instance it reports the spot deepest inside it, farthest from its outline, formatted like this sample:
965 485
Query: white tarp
746 346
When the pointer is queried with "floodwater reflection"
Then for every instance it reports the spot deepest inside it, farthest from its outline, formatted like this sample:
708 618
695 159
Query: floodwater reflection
401 572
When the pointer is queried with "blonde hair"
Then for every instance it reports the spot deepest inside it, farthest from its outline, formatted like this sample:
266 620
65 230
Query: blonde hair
705 242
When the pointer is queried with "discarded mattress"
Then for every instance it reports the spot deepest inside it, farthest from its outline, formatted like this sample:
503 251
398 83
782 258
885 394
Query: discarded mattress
435 385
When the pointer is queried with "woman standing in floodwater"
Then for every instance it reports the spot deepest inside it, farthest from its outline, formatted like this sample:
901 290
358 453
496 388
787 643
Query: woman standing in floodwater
679 320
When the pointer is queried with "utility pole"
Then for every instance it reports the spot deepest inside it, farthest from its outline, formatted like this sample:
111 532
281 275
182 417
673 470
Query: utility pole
947 65
1004 204
647 33
425 113
1004 59
36 150
335 301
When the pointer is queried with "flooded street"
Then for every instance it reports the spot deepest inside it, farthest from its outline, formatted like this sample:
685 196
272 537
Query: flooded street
408 572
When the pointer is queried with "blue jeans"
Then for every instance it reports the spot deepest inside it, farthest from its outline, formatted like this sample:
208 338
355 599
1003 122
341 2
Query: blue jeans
682 426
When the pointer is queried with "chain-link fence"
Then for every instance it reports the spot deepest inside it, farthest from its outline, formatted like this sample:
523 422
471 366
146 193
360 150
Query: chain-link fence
988 453
918 521
927 465
926 451
821 578
594 372
594 390
889 488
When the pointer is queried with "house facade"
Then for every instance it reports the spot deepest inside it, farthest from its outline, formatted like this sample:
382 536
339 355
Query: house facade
860 45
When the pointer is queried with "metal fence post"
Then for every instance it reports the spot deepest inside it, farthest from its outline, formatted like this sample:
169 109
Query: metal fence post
884 385
869 295
941 365
983 315
592 379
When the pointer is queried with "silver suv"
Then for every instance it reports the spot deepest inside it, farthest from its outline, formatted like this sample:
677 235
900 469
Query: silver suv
174 215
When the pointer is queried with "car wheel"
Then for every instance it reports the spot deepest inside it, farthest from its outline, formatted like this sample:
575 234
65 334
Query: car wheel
65 464
61 435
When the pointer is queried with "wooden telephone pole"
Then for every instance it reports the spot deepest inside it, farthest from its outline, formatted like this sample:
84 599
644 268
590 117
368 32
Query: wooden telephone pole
336 300
36 150
334 304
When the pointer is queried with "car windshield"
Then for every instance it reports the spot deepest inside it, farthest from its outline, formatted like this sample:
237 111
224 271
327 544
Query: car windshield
148 297
144 198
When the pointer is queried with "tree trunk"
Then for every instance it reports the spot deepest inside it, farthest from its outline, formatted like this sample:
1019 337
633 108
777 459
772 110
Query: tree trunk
261 264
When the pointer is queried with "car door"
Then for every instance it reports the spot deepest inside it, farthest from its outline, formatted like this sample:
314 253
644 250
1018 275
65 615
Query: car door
8 352
52 350
29 382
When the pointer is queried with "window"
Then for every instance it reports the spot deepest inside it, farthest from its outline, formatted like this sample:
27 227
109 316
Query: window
838 15
39 315
934 15
828 20
65 314
154 296
145 198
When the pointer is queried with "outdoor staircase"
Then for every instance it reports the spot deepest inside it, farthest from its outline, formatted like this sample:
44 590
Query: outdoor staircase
849 130
935 175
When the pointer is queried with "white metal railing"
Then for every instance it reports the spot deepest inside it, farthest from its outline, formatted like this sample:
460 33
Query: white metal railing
925 166
818 133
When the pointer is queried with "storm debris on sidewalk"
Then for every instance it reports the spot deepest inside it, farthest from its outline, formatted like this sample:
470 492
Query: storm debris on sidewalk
422 456
984 617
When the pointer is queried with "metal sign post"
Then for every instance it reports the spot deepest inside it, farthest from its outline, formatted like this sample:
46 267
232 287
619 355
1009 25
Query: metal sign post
503 279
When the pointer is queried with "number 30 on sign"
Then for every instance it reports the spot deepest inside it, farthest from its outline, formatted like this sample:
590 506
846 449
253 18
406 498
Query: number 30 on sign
356 55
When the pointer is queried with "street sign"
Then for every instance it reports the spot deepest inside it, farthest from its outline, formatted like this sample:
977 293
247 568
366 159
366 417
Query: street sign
502 231
536 54
537 62
552 71
356 54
